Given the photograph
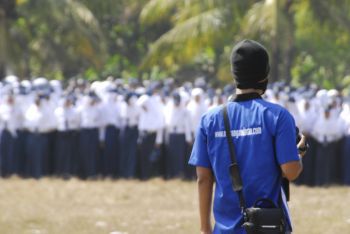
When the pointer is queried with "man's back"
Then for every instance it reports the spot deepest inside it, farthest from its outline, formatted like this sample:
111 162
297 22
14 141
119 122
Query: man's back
264 138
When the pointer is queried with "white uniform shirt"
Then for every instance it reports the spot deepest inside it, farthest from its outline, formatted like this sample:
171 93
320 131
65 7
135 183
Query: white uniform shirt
345 116
196 111
49 107
307 119
111 112
328 130
177 120
91 116
24 102
130 113
294 111
40 118
10 118
152 115
68 118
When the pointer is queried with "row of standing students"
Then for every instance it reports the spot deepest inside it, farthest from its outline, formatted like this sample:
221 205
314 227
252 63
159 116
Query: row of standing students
145 145
326 163
126 153
154 139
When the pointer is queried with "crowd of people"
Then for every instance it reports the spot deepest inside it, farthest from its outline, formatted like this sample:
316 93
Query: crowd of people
141 129
324 117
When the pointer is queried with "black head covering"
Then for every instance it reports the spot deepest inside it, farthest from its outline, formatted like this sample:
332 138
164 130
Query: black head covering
250 65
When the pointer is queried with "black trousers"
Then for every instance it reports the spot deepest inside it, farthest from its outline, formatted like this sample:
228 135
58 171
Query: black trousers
111 152
146 154
7 153
21 143
128 159
37 150
175 155
190 171
89 148
323 163
307 176
65 153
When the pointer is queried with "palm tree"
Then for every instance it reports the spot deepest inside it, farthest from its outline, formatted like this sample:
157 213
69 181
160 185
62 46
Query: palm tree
55 37
328 40
335 12
272 21
195 25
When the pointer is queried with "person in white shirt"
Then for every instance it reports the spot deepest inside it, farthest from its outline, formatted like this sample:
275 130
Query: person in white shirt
151 126
308 116
68 124
327 131
218 99
291 106
130 113
112 122
50 106
345 116
196 108
9 123
335 102
24 98
38 122
89 137
46 125
178 136
307 121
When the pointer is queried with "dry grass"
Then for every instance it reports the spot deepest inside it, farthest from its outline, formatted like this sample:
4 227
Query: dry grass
157 206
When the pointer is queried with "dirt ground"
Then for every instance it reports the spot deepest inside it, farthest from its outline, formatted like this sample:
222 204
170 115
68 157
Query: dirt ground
153 207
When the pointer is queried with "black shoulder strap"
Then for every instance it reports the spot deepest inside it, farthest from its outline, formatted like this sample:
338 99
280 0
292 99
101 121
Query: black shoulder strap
234 170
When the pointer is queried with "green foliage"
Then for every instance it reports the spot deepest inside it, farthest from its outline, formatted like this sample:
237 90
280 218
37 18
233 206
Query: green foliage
196 25
323 48
308 40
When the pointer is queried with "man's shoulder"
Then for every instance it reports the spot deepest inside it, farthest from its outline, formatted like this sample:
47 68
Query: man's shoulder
274 108
213 112
272 105
264 105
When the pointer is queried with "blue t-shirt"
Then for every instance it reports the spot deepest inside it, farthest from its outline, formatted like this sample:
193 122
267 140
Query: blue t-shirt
264 136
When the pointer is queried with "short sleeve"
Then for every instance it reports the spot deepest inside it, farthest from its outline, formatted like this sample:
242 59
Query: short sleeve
285 139
199 156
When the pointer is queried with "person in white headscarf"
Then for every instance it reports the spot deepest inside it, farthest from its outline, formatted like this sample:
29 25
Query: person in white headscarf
66 140
9 123
151 126
327 130
196 108
112 123
90 138
345 116
40 121
130 114
178 136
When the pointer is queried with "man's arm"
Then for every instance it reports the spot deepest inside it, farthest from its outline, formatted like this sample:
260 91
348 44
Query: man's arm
205 181
292 170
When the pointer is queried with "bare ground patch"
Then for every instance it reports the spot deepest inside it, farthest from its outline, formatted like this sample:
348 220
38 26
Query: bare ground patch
156 206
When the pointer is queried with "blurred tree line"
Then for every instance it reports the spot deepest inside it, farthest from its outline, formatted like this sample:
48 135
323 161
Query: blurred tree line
308 40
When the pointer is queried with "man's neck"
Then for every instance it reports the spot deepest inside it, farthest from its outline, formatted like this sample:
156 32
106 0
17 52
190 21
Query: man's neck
245 91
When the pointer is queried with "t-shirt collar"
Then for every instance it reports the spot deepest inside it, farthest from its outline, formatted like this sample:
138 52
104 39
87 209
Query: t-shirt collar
245 97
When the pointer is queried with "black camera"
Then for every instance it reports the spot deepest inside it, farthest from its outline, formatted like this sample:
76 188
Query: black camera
259 220
298 139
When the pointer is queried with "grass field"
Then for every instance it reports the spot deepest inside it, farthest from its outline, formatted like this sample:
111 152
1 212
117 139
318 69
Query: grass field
156 206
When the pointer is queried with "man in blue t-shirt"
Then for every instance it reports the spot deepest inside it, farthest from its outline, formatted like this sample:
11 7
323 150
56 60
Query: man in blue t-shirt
264 136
